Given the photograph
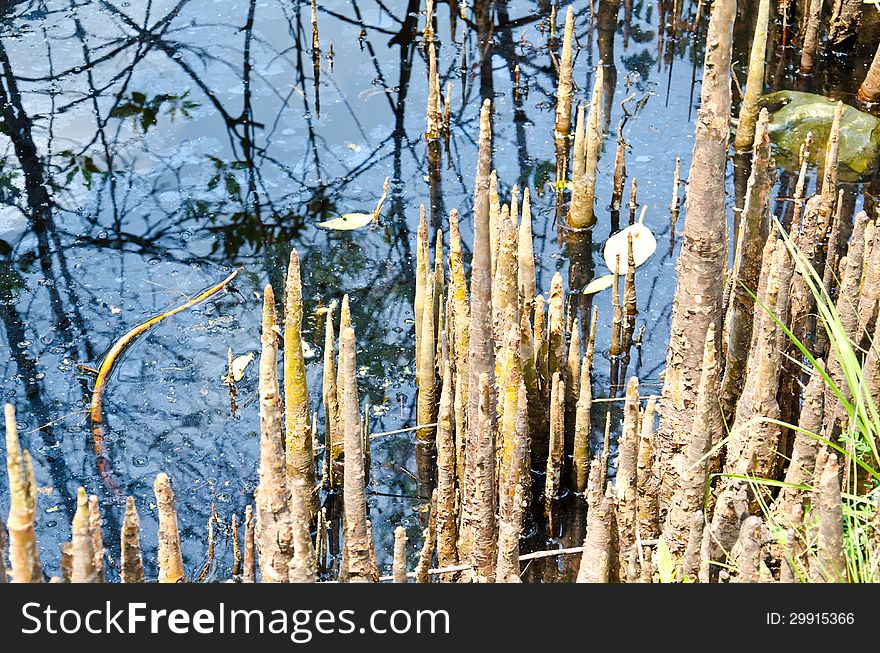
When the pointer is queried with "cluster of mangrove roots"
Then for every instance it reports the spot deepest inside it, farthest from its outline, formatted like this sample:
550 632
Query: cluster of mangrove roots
737 471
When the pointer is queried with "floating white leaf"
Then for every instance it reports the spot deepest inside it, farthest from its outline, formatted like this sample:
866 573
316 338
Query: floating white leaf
239 363
599 284
308 351
348 221
644 245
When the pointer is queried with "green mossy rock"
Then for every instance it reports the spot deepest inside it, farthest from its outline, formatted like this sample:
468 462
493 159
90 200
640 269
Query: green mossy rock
794 114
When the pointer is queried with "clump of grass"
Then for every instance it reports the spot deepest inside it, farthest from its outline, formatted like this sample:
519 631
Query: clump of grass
856 447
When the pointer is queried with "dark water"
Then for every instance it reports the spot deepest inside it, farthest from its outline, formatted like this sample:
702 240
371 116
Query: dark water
150 147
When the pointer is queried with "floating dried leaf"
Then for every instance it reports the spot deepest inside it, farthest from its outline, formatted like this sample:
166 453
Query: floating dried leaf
599 284
644 245
348 221
239 363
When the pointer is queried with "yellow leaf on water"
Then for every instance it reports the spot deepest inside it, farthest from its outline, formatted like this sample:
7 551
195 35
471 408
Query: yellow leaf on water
644 245
239 363
348 221
599 284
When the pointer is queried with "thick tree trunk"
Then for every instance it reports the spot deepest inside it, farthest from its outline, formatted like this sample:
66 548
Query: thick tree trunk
702 264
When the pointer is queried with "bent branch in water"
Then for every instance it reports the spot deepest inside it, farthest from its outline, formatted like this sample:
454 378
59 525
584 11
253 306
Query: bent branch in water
96 411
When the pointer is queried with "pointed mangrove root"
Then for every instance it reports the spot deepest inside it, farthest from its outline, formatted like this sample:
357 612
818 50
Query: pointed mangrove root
83 549
480 522
566 85
509 532
753 440
675 203
458 410
730 510
513 485
599 558
423 267
459 309
591 338
274 534
583 429
606 449
690 563
788 509
429 536
626 491
689 494
526 276
96 409
616 348
619 179
302 567
481 355
747 553
24 556
447 516
426 409
630 302
830 172
830 555
355 504
540 427
249 574
330 395
556 329
578 180
169 555
494 218
583 198
96 523
399 562
648 512
297 417
505 291
439 290
869 91
434 127
702 264
572 381
552 487
633 205
66 562
132 561
748 112
754 227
